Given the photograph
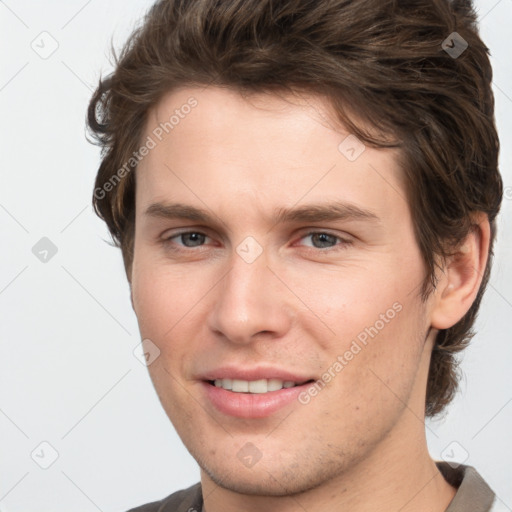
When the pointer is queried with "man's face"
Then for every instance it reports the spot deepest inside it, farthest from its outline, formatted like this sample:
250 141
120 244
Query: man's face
252 289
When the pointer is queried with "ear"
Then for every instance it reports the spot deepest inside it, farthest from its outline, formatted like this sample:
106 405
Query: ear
463 272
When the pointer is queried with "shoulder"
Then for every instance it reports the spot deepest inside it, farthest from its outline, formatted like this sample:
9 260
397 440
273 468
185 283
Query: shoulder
473 493
186 500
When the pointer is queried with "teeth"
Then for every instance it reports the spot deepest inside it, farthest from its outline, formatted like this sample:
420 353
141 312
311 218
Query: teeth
258 386
225 383
253 386
274 384
240 386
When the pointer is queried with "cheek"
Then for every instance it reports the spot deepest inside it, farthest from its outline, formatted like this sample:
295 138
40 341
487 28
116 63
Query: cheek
374 319
164 294
164 304
371 377
150 301
345 302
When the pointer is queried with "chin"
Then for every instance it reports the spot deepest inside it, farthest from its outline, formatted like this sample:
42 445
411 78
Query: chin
261 480
257 483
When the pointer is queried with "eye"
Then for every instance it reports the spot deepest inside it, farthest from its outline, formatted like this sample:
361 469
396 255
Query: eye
188 239
323 240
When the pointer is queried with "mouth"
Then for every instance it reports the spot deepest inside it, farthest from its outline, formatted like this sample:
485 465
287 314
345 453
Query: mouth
260 386
253 399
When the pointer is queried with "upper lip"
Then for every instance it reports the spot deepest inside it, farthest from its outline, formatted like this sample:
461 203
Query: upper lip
250 374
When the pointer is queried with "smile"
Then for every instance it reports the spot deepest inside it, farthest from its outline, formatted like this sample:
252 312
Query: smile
254 386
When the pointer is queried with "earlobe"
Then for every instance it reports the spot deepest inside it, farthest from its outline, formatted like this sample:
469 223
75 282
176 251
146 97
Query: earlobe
463 273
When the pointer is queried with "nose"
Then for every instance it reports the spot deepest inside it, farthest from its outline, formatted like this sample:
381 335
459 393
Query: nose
250 302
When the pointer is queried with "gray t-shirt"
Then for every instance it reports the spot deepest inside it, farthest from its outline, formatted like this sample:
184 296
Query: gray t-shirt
473 494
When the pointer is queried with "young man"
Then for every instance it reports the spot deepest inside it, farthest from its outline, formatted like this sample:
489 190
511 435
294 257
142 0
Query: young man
305 196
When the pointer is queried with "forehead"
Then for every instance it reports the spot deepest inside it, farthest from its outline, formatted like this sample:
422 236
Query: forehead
265 149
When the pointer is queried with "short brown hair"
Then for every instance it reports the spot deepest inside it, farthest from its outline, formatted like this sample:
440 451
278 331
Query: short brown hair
384 58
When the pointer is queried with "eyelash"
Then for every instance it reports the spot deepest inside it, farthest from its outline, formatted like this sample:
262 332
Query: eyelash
343 243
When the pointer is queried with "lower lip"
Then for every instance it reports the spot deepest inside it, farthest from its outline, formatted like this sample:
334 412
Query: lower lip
251 405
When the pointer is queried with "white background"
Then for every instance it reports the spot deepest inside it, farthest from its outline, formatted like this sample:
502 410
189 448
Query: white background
68 375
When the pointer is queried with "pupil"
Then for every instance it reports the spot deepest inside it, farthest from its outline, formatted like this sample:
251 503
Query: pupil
324 239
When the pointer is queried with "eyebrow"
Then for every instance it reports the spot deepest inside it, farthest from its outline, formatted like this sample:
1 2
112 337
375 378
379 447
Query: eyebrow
323 212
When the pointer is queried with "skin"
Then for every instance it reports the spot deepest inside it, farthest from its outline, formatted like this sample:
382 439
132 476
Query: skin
359 444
